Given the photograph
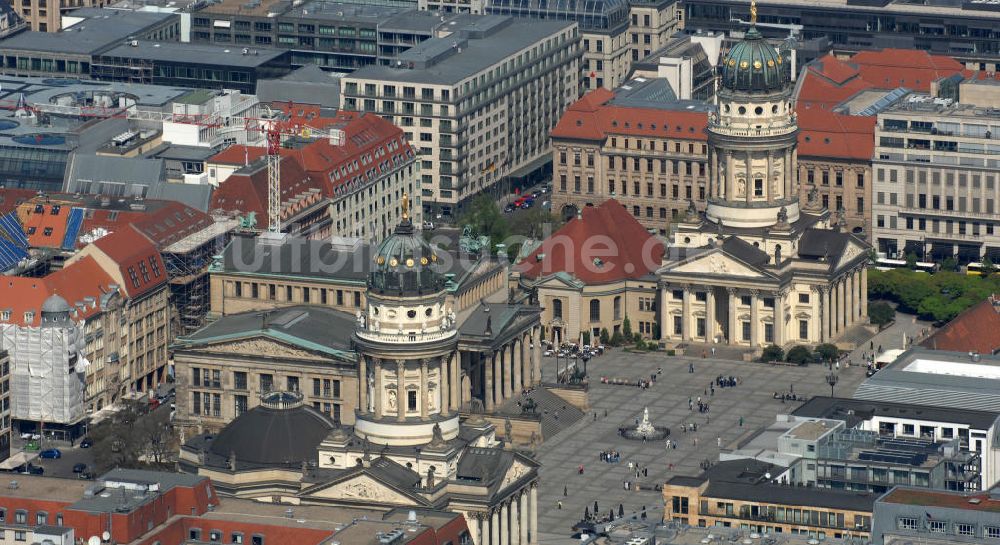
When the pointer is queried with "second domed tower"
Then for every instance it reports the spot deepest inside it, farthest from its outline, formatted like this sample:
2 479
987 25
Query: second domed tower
752 137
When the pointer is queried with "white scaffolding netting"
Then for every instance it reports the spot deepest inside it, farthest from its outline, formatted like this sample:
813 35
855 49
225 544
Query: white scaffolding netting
47 378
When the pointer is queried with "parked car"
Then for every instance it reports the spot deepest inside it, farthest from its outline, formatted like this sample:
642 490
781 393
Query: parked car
30 469
51 453
87 442
85 475
428 226
79 468
30 436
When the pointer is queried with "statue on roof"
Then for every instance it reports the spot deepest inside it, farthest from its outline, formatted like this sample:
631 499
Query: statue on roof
782 224
248 222
692 213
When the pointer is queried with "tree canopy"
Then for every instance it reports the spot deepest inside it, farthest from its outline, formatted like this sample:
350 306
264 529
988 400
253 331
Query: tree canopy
938 297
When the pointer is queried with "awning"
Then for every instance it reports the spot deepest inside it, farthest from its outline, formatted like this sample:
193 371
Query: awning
17 460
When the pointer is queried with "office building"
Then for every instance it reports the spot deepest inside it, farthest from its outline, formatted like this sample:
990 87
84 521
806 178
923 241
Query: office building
759 497
910 422
347 185
469 104
933 517
935 179
637 145
963 30
687 62
42 16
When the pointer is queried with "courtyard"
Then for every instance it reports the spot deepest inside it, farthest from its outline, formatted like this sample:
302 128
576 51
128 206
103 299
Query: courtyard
667 399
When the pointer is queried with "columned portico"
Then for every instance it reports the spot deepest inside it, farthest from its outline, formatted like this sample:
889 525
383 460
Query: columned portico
754 319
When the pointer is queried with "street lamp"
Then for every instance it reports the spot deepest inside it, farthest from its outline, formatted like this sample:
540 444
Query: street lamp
832 380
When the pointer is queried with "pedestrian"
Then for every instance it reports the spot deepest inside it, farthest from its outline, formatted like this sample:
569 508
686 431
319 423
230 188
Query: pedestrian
741 421
565 491
718 441
559 504
605 413
713 351
690 367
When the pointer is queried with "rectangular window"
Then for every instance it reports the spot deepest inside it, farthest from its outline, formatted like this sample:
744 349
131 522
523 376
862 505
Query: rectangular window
992 532
746 330
803 297
803 329
965 529
937 526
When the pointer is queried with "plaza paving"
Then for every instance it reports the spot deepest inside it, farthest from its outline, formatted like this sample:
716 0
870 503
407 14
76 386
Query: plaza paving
667 400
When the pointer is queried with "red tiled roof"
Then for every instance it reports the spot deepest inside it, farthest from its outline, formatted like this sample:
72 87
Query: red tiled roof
591 118
606 245
162 222
942 498
977 329
911 68
370 143
10 198
247 192
74 283
139 262
823 133
238 154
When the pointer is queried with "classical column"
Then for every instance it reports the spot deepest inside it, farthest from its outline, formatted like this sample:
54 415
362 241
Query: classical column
841 305
444 386
767 179
515 523
733 338
525 361
749 176
400 390
508 366
825 294
730 177
495 527
472 519
456 380
498 377
425 395
779 318
857 294
710 315
518 350
522 523
488 384
864 294
504 524
686 317
378 388
754 319
665 332
363 383
533 514
536 355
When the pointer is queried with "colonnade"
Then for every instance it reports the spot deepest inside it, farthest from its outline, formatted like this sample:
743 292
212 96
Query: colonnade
444 400
513 521
844 303
514 367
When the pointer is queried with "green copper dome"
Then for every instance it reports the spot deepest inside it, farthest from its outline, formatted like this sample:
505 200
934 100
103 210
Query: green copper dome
754 66
404 263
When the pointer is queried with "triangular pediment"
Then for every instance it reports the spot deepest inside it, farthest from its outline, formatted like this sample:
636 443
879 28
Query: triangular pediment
515 472
261 346
362 488
851 251
715 263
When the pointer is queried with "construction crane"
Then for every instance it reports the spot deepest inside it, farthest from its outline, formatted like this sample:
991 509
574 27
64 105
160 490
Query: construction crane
275 125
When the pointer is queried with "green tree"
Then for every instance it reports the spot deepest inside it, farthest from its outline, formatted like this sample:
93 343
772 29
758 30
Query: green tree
485 218
949 264
911 260
772 353
617 339
827 352
586 337
627 328
881 313
532 223
799 354
605 337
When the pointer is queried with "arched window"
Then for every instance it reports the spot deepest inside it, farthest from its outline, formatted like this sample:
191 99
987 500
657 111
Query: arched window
595 310
557 308
618 307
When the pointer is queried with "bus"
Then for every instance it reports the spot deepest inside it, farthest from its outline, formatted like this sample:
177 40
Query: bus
974 269
885 264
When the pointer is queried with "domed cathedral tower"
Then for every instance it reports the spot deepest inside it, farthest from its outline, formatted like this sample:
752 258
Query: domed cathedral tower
752 138
407 344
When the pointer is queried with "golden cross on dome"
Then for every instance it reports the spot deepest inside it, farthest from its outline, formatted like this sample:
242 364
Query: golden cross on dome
753 12
406 206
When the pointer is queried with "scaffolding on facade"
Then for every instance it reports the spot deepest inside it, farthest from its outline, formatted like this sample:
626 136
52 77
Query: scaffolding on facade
187 262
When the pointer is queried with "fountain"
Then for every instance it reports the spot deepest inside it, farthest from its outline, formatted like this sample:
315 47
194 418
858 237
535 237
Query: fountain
645 429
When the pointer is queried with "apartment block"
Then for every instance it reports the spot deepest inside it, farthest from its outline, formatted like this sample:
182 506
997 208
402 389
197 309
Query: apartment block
478 105
935 185
652 23
636 145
